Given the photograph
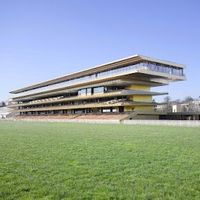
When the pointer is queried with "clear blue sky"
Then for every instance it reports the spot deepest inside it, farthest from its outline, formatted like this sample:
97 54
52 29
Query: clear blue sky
42 39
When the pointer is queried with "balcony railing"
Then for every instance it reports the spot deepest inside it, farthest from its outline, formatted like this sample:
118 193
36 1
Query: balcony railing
126 69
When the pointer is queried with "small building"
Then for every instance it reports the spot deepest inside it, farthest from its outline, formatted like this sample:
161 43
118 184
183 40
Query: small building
4 112
176 108
189 110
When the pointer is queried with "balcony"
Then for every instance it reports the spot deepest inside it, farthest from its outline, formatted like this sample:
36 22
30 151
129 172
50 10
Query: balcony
155 67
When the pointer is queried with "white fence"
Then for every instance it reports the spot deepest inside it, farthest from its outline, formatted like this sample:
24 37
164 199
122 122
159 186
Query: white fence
186 123
190 123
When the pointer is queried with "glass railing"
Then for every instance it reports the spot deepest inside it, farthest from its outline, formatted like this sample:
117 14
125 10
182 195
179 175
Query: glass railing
126 69
164 69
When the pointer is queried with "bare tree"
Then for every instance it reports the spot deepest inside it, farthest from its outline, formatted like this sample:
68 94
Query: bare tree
188 99
167 101
2 104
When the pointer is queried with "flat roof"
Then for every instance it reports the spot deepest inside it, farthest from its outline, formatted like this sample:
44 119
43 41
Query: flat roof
98 68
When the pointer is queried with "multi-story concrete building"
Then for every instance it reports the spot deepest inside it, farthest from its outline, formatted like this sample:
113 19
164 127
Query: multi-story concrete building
121 86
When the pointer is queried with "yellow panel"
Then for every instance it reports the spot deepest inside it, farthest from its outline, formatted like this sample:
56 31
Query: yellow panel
139 87
142 98
139 108
129 108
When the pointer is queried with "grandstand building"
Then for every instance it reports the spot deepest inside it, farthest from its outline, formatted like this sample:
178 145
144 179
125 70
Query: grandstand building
119 87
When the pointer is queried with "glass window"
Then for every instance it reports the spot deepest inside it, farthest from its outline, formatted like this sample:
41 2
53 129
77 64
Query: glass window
98 90
89 91
82 92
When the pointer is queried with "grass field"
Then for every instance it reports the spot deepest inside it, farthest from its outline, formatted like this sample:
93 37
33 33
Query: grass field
82 161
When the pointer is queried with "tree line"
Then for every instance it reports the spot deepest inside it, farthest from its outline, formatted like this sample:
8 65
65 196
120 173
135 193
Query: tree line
188 104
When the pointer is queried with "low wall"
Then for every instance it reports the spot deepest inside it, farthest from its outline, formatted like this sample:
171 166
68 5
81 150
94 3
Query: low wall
190 123
73 120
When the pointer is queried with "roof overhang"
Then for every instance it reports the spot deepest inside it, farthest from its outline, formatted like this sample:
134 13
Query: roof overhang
98 68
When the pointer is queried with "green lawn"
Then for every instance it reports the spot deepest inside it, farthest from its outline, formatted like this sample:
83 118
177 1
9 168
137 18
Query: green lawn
84 161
